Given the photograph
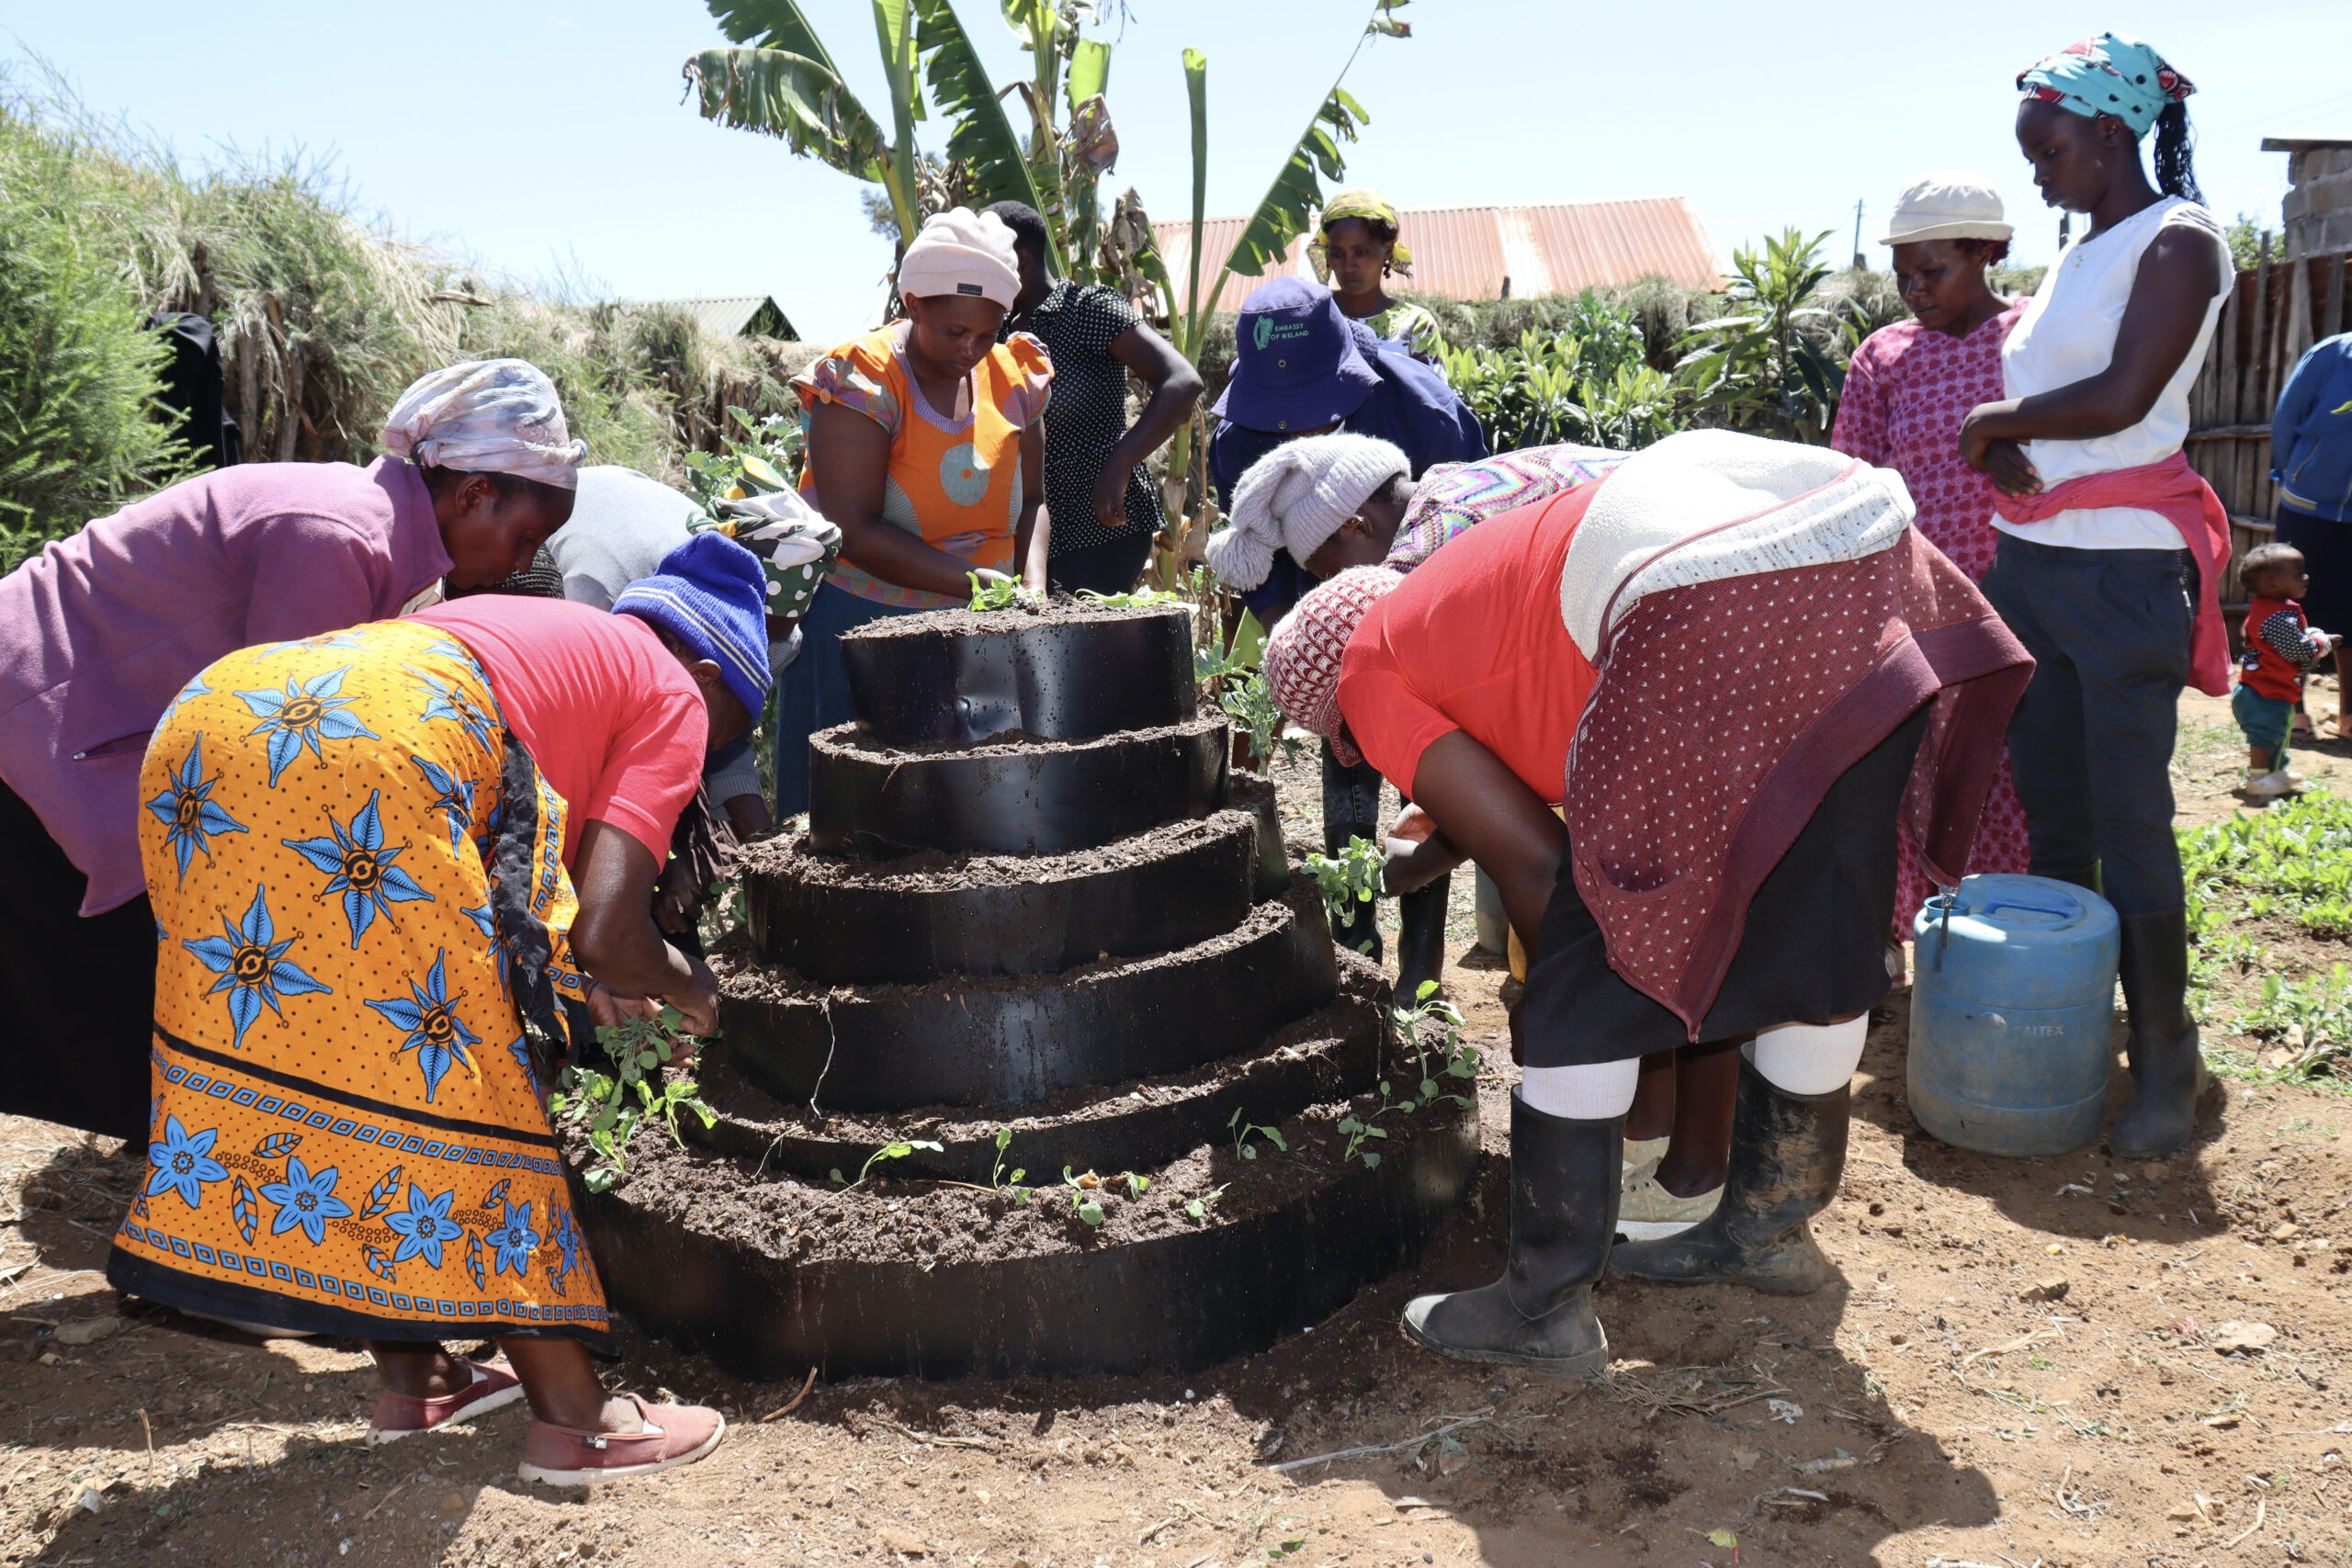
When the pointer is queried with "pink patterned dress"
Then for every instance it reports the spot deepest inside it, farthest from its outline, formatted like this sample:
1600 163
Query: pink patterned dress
1906 391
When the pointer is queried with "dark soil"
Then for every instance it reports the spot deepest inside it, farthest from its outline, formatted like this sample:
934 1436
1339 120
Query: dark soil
788 856
980 623
881 1220
739 976
744 1102
850 737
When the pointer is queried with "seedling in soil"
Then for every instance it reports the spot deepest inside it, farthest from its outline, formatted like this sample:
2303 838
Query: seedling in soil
996 1176
1141 599
1239 687
615 1104
1082 1199
1244 1130
1354 876
899 1150
1435 1061
997 595
1198 1208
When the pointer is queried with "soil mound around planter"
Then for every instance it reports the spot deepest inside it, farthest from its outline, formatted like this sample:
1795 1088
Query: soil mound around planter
1064 672
893 1277
1331 1053
1012 796
854 921
1017 1040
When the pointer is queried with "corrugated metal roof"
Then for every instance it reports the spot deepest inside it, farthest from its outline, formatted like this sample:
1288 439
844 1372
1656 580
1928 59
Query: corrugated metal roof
746 315
1466 253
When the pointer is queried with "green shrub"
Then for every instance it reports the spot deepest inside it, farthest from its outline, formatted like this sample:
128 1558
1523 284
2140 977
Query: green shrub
78 368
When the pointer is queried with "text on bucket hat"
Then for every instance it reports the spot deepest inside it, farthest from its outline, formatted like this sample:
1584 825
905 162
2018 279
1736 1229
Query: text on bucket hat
1947 206
962 251
494 416
1302 657
1296 363
708 594
1295 498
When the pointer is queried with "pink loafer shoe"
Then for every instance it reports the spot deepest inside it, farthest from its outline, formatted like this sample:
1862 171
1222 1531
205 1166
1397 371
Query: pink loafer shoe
402 1415
673 1435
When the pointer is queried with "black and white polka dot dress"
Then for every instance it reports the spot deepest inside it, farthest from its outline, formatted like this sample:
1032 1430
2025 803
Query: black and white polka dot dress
1089 413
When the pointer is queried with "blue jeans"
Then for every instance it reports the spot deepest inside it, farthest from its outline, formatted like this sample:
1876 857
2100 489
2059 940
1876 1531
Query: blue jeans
2268 722
814 693
2090 744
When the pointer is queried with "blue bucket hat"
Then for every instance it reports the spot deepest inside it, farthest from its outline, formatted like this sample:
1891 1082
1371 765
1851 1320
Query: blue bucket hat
708 594
1296 363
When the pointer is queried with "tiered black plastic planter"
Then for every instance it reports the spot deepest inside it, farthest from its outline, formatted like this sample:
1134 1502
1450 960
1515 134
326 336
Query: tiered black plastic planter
1115 1008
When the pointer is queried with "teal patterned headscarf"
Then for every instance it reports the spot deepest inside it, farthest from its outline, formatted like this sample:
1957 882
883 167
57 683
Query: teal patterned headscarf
2109 75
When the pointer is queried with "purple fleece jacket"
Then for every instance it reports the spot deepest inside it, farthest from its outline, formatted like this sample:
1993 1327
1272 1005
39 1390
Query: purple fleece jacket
99 632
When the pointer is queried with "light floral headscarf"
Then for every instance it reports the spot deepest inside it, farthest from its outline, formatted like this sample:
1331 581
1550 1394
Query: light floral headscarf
487 416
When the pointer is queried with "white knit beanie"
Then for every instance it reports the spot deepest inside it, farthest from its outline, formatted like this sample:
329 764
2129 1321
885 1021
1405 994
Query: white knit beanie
1295 497
962 251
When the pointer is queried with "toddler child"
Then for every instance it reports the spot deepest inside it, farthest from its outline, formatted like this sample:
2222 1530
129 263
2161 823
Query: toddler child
2279 647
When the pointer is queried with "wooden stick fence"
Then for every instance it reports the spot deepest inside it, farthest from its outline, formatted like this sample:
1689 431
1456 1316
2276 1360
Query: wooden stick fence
2276 311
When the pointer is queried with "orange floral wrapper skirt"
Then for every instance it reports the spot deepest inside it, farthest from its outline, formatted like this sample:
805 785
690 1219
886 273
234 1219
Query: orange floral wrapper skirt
362 986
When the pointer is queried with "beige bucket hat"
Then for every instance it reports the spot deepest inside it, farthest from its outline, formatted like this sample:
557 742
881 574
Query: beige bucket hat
1947 206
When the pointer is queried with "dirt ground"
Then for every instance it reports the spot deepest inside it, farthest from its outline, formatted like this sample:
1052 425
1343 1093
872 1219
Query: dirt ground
2065 1361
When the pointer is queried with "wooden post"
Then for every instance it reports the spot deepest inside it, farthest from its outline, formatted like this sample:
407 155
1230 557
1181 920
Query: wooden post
2334 324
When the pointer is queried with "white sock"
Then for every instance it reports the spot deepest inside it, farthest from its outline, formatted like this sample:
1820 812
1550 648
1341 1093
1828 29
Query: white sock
1590 1093
1809 1058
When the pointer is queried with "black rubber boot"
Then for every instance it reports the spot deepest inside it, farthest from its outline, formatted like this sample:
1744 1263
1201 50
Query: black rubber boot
1788 1151
1563 1216
2166 1067
1420 939
1352 810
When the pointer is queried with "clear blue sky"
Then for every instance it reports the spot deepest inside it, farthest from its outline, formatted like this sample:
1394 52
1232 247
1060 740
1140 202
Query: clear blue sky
552 137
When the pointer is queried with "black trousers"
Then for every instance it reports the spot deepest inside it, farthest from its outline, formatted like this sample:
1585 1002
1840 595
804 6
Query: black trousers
77 996
1814 948
1112 566
2090 744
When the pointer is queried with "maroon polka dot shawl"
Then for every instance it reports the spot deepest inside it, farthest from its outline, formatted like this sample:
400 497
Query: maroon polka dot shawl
1724 712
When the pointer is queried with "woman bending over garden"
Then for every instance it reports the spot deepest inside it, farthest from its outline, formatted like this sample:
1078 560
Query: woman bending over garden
356 1023
2112 546
927 449
1699 888
99 631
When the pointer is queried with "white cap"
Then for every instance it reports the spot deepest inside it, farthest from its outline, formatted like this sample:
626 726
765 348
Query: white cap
1947 206
962 251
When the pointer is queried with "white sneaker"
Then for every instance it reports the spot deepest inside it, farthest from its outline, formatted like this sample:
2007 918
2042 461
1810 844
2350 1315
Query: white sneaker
2267 786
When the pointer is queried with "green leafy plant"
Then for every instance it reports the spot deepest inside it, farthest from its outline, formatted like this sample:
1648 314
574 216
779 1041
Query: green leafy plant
1776 364
1442 1062
999 595
1245 1131
1141 599
997 1179
1354 876
1234 678
900 1149
1085 1196
614 1105
1198 1208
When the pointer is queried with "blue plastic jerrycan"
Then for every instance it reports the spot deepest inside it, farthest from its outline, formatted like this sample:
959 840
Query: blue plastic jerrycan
2012 1005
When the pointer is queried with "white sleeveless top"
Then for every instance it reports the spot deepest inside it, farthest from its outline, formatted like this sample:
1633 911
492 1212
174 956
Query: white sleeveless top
2067 334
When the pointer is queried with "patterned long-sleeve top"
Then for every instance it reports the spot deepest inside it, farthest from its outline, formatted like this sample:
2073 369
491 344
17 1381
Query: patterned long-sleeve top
2279 645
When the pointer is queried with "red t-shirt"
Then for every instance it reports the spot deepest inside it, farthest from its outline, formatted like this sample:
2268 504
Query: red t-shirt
615 724
1473 641
2278 648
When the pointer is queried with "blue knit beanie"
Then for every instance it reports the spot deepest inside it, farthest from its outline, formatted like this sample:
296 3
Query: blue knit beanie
708 593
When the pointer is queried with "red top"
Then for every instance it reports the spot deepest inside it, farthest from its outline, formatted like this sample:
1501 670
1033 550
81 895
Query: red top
615 724
2279 645
1473 641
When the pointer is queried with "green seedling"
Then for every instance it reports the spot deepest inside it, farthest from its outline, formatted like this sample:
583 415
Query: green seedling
1001 595
1243 1131
1355 876
996 1176
899 1150
1141 599
1198 1208
1432 1032
615 1104
1083 1200
1239 687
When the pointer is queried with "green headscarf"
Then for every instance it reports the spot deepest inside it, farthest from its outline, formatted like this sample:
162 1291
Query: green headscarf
1369 204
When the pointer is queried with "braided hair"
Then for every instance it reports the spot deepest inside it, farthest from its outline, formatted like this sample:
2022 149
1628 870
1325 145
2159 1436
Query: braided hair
2175 172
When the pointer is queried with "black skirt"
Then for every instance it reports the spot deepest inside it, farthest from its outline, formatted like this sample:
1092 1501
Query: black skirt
77 996
1814 948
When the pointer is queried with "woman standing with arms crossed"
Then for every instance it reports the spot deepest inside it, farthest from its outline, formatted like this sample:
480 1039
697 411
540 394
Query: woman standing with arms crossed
2112 547
1908 389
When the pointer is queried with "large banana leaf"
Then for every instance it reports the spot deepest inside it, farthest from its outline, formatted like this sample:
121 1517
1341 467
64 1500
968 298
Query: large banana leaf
983 139
1196 92
772 24
779 93
1294 196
